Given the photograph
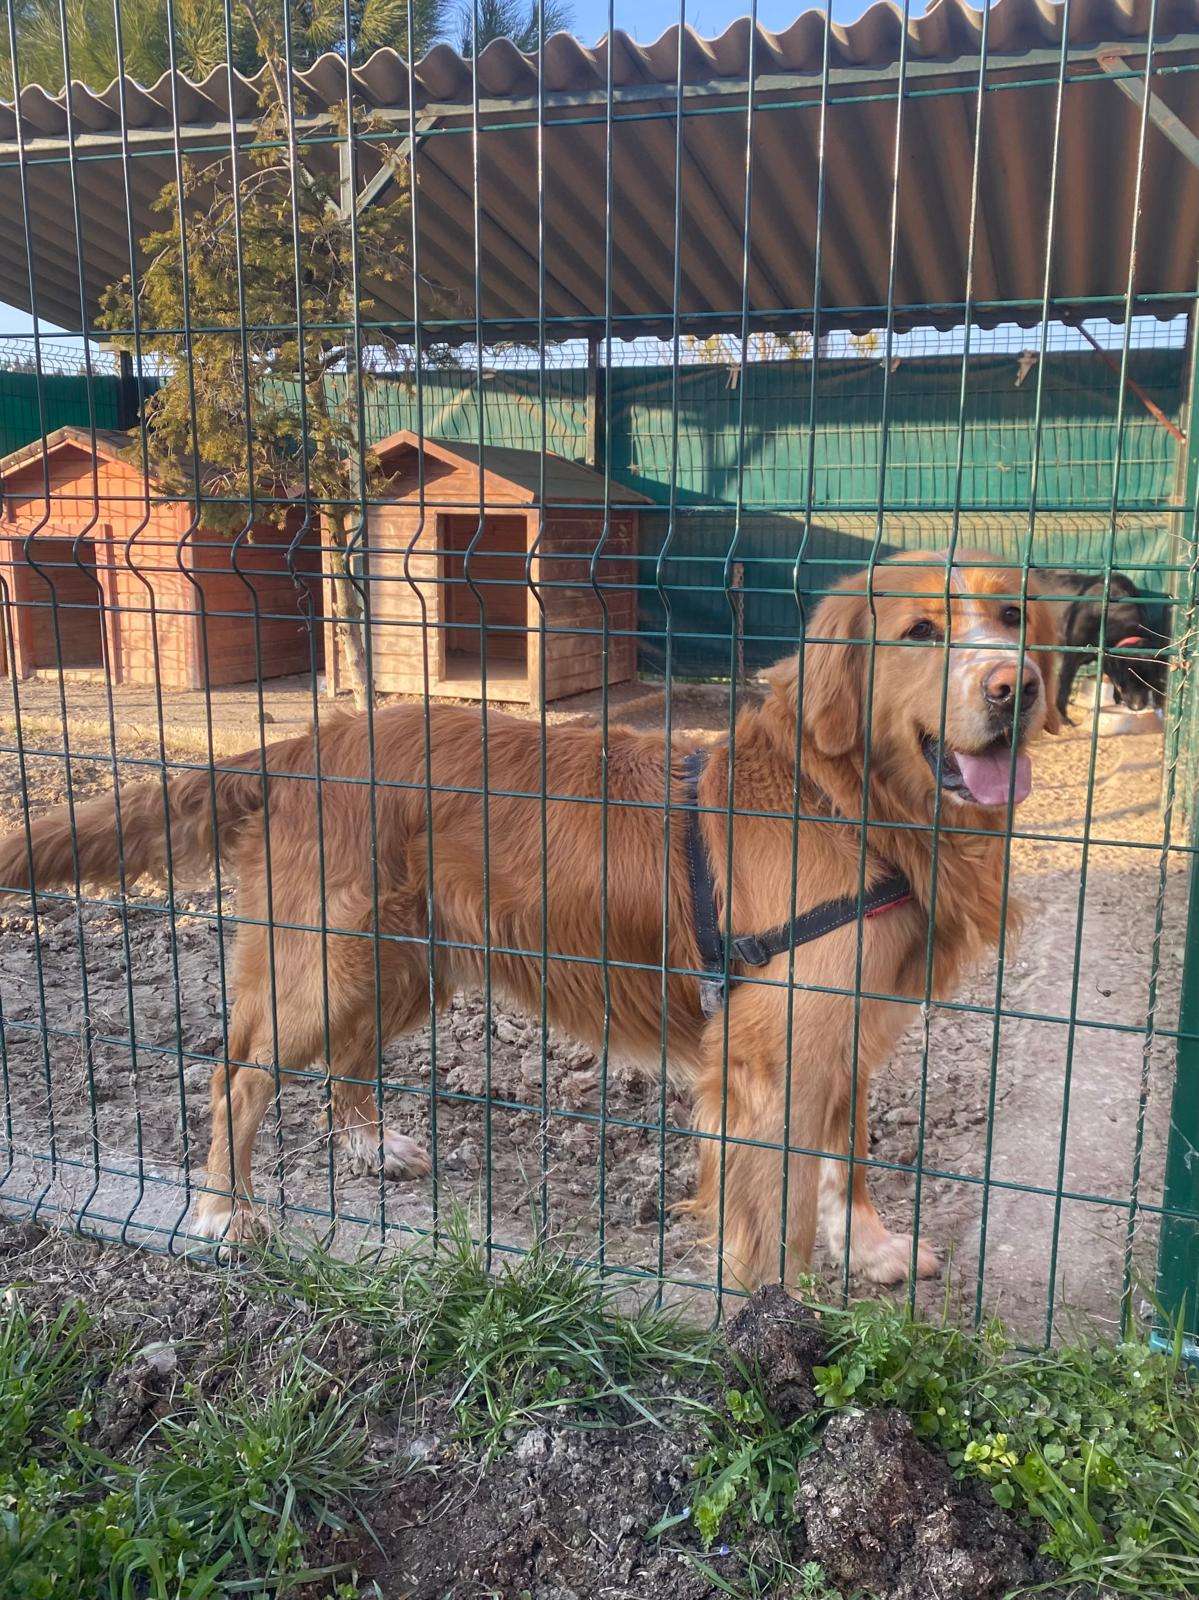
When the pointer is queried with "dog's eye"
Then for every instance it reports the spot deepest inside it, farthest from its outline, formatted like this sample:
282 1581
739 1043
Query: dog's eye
924 629
1010 616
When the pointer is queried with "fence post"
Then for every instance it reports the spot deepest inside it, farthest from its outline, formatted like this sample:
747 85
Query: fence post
129 393
1178 1258
1178 1251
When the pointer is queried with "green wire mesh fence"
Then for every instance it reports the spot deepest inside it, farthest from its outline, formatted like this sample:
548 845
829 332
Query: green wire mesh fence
531 410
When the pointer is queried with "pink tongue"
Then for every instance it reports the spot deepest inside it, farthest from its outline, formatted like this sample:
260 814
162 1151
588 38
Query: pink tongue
989 777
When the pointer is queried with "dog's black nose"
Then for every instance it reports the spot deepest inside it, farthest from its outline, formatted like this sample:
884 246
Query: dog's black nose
999 686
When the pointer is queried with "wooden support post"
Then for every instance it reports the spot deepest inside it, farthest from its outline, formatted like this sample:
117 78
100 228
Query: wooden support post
329 618
596 446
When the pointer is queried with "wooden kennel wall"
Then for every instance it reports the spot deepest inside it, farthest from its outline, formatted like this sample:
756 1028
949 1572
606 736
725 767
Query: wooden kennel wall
119 564
421 599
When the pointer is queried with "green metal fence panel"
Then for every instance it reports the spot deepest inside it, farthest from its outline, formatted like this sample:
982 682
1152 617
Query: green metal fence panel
1178 1258
1178 1263
1025 1104
60 400
1077 449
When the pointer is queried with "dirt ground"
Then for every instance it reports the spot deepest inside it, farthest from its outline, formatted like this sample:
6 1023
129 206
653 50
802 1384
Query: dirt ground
113 1133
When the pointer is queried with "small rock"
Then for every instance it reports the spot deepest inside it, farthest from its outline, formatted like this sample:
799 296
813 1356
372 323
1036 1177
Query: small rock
196 1077
509 1032
465 1157
16 1238
534 1446
578 1087
160 1358
530 1069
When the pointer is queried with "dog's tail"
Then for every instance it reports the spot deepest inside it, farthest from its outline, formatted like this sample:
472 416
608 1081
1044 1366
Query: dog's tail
98 841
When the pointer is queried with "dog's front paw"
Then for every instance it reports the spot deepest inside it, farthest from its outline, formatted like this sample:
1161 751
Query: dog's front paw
228 1226
889 1260
399 1156
403 1157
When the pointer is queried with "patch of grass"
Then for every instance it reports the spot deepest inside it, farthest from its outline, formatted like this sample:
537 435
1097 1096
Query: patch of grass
1099 1441
537 1337
41 1365
750 1464
768 1572
256 1488
249 1484
262 1484
213 1498
45 1377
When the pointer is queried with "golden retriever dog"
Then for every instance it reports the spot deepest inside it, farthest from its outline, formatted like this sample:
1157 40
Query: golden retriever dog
947 692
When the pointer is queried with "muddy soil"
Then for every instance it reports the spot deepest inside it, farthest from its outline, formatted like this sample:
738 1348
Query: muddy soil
111 1023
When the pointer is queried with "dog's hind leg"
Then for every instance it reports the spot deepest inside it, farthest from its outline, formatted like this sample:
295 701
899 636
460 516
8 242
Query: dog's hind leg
385 987
366 1144
268 1042
242 1088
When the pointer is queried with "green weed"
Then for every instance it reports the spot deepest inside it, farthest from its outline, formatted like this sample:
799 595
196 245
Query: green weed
751 1463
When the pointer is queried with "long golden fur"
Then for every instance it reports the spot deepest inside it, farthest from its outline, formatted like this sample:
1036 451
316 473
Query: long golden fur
906 704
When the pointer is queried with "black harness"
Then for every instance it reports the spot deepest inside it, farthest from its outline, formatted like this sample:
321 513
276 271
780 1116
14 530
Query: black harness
756 949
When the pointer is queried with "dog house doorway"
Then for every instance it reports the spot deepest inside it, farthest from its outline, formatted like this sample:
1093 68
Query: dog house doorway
58 621
497 573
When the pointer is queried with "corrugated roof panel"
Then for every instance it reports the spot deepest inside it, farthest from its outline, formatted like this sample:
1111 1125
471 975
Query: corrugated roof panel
1096 178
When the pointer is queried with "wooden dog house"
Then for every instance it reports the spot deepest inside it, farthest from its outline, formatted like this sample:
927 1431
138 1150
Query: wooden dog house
421 592
120 560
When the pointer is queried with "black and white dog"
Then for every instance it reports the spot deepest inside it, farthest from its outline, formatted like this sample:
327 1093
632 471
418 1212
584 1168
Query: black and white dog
1134 645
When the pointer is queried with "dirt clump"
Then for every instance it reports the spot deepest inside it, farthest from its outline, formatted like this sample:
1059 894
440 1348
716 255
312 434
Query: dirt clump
136 1395
883 1515
777 1342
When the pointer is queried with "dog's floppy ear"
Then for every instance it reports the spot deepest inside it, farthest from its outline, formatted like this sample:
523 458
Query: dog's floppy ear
832 681
1044 632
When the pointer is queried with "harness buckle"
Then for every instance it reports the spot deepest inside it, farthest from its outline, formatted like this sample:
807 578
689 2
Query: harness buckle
711 997
750 949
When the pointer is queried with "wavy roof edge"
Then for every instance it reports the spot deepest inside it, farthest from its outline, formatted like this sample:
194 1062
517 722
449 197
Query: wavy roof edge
949 31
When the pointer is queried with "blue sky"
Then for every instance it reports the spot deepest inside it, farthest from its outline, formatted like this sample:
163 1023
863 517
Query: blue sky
645 20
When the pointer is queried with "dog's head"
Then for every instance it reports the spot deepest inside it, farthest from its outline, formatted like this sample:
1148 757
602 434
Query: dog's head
930 662
1134 658
1139 680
